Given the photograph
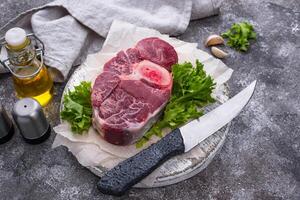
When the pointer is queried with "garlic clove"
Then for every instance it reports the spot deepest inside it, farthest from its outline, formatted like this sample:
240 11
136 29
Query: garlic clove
214 40
218 52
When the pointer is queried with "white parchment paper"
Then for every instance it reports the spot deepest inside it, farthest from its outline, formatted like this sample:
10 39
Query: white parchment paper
90 149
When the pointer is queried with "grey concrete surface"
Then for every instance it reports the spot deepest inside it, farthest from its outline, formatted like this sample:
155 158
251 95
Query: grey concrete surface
261 156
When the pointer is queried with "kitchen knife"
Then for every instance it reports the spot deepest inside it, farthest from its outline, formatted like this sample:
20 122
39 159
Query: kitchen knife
129 172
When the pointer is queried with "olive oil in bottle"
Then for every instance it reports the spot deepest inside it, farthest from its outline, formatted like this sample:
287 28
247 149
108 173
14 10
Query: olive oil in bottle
30 76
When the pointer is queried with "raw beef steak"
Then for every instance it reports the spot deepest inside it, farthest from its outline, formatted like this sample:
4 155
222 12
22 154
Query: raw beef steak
132 90
157 51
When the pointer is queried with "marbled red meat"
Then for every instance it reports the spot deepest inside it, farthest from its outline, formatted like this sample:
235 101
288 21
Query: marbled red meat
132 90
157 51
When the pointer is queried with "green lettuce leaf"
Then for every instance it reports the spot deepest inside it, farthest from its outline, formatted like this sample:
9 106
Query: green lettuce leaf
239 36
77 108
192 89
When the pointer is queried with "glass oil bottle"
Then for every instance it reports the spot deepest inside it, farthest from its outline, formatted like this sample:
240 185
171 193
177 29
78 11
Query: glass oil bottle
30 76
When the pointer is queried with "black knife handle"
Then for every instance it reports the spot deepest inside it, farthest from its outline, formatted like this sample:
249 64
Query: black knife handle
129 172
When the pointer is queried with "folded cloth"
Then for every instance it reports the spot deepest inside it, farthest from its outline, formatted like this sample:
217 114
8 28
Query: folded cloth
71 29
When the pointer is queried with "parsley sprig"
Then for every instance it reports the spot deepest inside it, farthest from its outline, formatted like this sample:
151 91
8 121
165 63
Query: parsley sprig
239 36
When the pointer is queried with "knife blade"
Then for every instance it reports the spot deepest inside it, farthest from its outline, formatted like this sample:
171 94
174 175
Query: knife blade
129 172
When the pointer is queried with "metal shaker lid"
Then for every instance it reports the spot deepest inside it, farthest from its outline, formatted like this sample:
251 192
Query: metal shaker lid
31 121
6 126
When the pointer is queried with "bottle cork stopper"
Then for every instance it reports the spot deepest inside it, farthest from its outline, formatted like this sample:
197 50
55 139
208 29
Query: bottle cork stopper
15 37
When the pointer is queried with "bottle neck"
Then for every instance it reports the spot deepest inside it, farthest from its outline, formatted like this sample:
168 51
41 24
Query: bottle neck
21 55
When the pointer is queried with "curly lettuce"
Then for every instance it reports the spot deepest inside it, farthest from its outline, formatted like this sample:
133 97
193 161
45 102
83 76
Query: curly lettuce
192 89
